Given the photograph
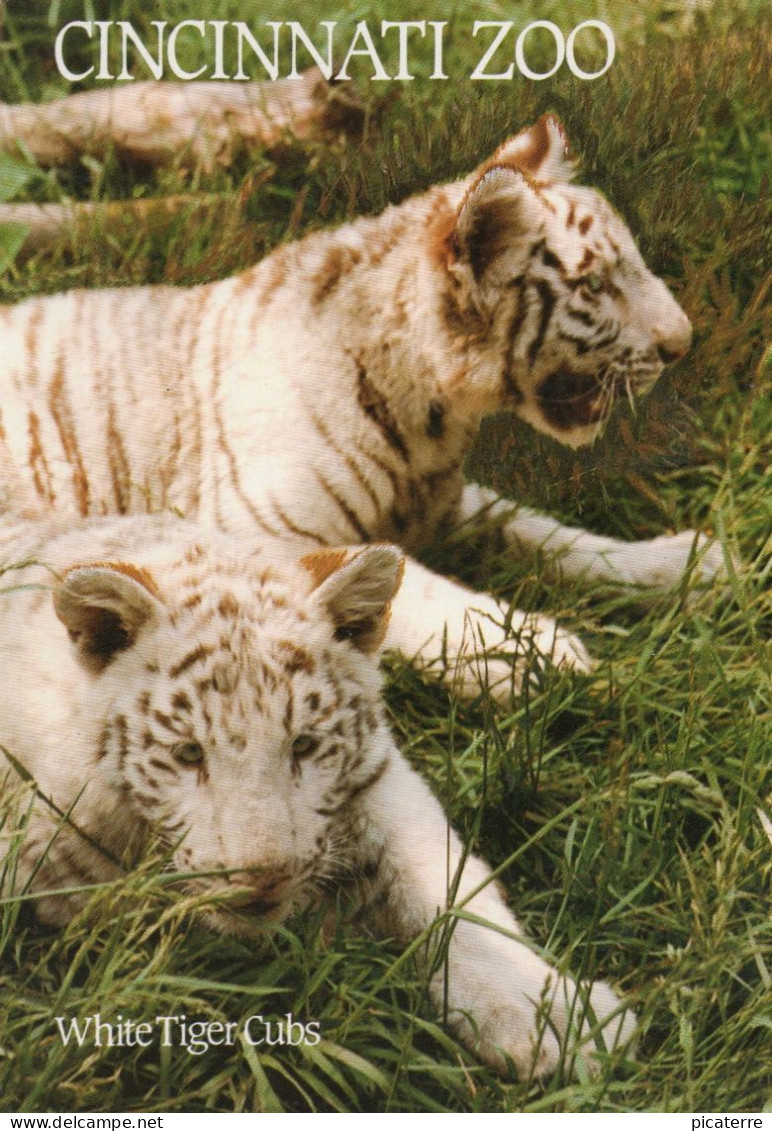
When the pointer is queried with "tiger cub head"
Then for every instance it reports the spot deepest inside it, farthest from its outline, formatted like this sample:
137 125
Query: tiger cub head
561 314
239 712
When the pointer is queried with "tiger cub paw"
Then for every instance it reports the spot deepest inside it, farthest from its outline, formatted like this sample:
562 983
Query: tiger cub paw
687 554
566 1027
558 647
665 562
531 645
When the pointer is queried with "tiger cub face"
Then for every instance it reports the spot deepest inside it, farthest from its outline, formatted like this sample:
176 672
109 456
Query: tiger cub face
239 712
552 275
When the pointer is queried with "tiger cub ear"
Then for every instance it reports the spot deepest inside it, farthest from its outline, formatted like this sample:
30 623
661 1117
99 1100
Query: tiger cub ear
496 218
504 206
541 152
103 607
356 589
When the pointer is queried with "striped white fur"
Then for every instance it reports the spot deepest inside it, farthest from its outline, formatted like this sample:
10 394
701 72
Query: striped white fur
330 393
163 681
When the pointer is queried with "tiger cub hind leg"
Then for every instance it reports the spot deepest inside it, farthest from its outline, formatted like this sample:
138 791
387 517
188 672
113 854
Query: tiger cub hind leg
200 124
471 640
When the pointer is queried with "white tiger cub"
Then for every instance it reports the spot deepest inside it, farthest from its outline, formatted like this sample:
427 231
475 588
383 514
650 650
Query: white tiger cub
330 394
157 679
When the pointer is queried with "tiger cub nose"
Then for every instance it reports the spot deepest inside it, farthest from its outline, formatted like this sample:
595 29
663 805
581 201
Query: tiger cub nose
674 341
262 891
667 355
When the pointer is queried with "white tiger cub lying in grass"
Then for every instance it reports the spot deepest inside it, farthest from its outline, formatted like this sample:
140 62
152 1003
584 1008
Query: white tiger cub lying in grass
228 702
330 394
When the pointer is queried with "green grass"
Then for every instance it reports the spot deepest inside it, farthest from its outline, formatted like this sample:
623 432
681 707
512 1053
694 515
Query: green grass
622 807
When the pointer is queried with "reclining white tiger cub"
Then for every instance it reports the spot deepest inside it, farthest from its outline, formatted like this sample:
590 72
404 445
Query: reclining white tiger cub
330 394
227 700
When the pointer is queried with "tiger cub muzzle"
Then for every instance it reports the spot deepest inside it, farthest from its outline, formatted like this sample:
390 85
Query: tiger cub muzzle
569 399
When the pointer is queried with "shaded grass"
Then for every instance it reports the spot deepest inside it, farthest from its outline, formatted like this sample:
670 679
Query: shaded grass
622 807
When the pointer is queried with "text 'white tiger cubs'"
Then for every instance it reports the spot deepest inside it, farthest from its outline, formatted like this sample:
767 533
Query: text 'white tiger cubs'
330 394
163 681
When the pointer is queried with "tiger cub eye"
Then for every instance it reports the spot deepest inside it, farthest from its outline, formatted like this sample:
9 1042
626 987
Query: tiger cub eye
304 745
188 753
594 283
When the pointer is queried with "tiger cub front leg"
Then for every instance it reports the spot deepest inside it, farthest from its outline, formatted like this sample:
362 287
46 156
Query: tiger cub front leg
650 566
471 640
504 1001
